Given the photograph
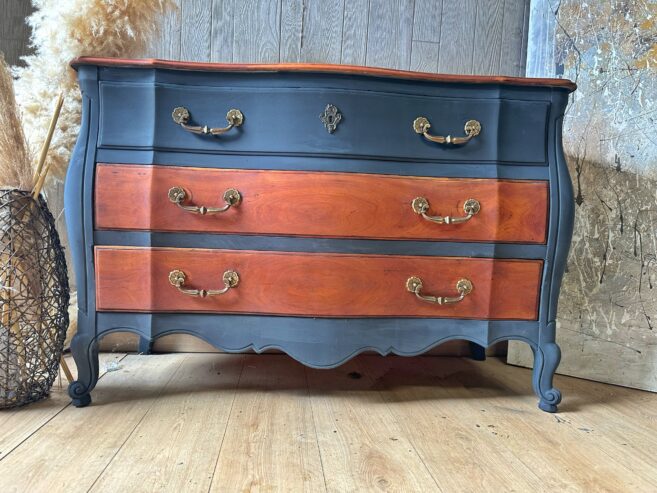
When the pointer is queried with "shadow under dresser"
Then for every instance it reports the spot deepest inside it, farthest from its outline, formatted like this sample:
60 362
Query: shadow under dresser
316 209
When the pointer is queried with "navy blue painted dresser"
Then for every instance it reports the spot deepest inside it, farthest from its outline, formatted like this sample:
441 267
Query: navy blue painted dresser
320 210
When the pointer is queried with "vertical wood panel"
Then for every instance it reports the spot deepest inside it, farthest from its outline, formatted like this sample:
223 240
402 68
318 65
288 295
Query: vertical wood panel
389 33
514 37
167 46
525 34
541 25
256 32
424 56
488 37
321 35
457 36
196 30
426 20
221 45
354 32
292 12
14 33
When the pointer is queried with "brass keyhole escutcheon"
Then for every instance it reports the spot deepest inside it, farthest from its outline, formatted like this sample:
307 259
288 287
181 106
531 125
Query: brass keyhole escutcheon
330 117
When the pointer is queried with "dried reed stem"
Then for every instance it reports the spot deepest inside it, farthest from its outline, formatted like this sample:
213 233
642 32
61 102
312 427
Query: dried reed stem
46 144
41 172
67 370
15 157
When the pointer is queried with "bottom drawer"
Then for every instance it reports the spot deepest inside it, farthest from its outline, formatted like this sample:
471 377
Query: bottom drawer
313 284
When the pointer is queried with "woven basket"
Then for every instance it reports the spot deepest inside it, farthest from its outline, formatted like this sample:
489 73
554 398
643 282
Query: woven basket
34 298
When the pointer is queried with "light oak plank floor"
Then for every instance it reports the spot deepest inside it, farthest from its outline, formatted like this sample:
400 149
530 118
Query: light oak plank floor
218 422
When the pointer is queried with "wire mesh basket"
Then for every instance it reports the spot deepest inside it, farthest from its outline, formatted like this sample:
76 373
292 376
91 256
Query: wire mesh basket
34 296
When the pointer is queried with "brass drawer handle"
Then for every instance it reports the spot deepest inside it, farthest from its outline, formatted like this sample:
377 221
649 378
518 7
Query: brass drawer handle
463 286
177 279
178 195
181 116
472 128
471 207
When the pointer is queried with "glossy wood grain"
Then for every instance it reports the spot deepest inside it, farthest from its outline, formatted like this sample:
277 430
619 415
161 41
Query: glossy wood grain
308 284
319 204
326 69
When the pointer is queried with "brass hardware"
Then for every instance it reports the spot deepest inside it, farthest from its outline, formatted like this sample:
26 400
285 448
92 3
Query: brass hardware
181 116
177 279
472 128
330 118
420 206
463 286
177 195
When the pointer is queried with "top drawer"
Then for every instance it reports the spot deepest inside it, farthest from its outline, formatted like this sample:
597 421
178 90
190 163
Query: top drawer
287 121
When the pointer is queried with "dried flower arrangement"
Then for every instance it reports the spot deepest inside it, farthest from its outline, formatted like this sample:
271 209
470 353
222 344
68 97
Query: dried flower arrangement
34 290
16 167
65 30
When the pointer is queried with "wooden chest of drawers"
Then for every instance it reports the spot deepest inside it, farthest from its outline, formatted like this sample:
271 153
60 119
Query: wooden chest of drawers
320 210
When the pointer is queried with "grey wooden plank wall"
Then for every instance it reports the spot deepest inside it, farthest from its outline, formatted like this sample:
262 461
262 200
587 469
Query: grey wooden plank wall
14 33
451 36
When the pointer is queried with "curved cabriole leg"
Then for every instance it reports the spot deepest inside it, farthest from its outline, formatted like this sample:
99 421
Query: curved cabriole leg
546 360
85 354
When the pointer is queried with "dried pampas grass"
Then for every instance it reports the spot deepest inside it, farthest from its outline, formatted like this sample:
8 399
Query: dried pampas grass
61 31
15 156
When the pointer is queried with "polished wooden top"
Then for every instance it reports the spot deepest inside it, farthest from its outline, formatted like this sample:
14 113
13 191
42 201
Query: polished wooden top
323 68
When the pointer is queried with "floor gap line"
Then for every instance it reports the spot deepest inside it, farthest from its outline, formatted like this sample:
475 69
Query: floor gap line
230 413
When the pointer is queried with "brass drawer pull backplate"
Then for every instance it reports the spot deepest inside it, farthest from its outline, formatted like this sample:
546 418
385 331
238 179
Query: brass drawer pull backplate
472 128
178 195
471 207
177 279
463 287
181 116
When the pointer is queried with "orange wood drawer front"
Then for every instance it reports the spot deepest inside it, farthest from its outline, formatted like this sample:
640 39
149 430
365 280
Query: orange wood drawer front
323 204
312 284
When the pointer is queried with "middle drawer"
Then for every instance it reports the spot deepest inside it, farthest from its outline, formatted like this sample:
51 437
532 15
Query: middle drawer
319 204
199 280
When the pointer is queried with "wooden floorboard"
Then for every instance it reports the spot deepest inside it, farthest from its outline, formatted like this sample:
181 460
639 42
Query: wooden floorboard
504 421
184 425
362 444
441 421
220 422
17 425
606 450
270 443
71 451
